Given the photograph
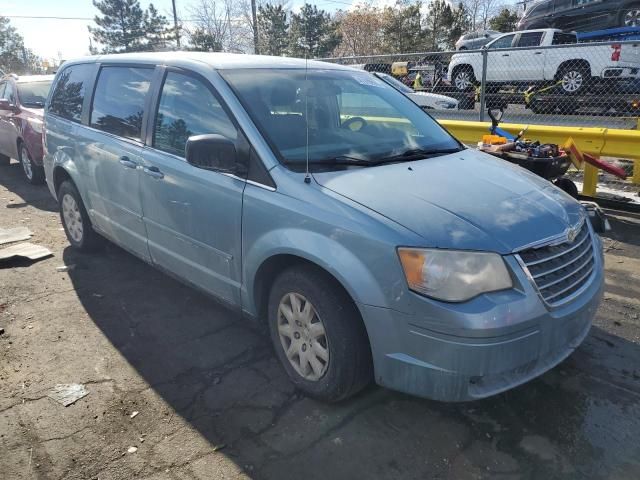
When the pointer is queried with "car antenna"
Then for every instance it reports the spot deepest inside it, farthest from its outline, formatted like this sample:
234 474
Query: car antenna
307 177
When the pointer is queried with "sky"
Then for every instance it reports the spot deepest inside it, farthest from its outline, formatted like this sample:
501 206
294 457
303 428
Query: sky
65 39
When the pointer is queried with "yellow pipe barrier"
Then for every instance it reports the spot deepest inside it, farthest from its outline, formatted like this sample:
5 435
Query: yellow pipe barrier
605 142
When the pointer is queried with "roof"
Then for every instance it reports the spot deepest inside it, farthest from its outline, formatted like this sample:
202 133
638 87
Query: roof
216 60
30 78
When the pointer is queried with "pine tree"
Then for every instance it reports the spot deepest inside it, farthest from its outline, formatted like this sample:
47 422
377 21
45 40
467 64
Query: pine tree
312 33
506 21
125 27
273 28
402 32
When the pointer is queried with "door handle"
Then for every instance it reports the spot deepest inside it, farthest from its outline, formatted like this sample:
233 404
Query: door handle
537 53
153 172
505 54
125 162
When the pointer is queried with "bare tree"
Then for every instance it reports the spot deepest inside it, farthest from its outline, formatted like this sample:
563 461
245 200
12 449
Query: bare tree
361 31
481 11
220 25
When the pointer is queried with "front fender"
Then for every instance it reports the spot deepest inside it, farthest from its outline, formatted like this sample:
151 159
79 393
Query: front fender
319 249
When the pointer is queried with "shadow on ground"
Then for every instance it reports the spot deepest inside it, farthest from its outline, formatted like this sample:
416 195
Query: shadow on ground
217 371
12 178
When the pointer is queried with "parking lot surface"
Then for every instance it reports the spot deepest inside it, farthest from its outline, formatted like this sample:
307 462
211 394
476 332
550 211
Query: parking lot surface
213 403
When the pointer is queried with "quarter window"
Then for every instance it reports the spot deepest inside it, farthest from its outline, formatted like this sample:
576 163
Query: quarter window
69 91
187 107
118 104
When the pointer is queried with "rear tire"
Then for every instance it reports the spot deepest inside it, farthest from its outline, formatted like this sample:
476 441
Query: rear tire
32 172
75 220
574 79
318 334
630 17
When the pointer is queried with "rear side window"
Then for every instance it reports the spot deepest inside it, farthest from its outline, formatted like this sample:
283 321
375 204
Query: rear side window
187 107
531 39
118 102
69 91
564 38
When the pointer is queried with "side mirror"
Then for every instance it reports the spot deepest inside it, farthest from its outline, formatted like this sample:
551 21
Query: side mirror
6 105
213 152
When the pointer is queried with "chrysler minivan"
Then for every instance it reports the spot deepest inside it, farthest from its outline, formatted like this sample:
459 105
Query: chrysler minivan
319 200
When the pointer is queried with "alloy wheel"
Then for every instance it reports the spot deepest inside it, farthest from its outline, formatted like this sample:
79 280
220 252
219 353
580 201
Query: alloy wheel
26 162
632 18
303 337
463 80
572 81
72 218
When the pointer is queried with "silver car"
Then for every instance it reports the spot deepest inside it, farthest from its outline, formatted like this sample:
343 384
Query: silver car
476 40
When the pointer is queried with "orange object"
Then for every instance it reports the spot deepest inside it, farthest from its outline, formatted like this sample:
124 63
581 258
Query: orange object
493 140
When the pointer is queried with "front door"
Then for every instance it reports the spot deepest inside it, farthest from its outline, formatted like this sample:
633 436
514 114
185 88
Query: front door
192 216
112 152
499 61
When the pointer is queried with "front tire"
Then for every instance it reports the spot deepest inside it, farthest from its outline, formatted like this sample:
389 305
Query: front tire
4 160
464 79
318 335
75 220
33 173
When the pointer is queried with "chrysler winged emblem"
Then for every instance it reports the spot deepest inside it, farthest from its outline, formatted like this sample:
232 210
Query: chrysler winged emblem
573 232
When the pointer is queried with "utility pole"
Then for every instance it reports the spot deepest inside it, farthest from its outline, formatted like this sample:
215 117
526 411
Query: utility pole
175 23
254 15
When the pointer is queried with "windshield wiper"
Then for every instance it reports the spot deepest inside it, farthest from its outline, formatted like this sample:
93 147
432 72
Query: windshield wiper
338 160
418 154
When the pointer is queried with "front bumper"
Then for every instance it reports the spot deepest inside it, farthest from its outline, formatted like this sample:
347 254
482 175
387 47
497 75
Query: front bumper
461 352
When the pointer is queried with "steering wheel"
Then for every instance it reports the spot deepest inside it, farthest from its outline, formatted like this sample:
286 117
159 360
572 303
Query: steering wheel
350 122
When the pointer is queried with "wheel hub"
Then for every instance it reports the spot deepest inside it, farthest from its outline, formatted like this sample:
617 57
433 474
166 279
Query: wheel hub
572 81
26 163
632 18
303 337
72 218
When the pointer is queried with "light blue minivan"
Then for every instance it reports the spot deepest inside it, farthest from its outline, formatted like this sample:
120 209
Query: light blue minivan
318 199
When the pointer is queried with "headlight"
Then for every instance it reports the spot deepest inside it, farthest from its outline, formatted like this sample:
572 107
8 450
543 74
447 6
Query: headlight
445 104
36 124
451 275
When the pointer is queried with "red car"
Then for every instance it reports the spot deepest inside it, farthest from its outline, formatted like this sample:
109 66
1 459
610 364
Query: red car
21 113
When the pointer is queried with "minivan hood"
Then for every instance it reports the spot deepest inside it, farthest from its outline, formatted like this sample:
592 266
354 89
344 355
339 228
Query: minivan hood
468 200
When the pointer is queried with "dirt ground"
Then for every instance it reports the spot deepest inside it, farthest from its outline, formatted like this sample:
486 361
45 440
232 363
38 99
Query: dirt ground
213 402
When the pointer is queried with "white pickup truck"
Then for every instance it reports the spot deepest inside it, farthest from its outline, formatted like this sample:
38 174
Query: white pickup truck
543 56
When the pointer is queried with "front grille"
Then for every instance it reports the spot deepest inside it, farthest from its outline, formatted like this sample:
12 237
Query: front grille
561 270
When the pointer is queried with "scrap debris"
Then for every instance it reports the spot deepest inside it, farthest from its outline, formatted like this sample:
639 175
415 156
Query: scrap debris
27 250
18 234
68 393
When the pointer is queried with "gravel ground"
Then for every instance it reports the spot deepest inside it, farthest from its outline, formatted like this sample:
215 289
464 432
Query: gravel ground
213 402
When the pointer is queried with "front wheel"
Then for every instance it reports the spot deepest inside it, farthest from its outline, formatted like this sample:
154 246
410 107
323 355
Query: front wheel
34 173
464 79
75 220
318 335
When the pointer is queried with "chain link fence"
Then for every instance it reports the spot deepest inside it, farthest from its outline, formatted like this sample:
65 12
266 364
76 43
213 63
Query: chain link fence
547 78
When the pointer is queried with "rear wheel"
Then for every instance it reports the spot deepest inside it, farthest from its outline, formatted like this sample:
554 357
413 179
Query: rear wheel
75 219
464 79
630 17
318 334
34 173
574 79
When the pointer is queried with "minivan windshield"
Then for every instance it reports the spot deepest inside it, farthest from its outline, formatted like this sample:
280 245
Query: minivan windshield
347 117
34 94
